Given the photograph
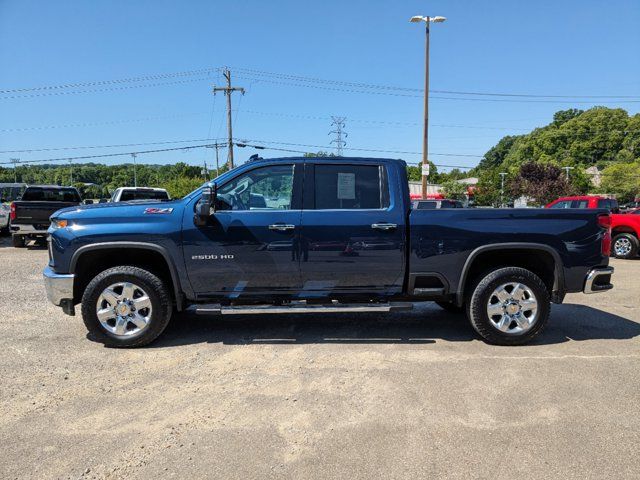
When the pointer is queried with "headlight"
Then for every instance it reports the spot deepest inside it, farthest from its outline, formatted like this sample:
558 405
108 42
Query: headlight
58 223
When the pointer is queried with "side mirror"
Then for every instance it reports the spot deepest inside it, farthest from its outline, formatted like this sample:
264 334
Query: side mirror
204 206
88 202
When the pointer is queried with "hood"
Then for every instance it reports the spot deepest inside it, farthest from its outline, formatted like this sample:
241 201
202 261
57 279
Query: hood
120 210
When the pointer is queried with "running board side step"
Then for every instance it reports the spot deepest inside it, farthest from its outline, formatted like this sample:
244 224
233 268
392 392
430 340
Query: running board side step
217 309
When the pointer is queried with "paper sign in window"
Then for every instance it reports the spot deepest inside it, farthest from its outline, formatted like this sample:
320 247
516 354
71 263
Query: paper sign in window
347 186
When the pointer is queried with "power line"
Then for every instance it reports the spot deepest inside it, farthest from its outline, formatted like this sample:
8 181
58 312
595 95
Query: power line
144 78
87 147
96 124
374 92
301 78
110 89
106 155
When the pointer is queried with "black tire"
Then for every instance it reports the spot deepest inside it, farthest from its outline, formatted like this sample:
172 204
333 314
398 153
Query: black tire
450 307
630 242
159 295
18 241
481 292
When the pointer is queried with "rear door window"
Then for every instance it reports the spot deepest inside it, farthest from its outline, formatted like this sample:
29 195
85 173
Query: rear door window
580 204
340 187
562 204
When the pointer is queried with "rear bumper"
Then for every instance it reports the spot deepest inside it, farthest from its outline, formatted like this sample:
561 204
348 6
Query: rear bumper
59 286
26 229
598 280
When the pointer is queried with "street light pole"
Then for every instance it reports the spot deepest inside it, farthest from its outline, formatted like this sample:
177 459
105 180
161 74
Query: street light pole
567 170
135 175
15 162
425 137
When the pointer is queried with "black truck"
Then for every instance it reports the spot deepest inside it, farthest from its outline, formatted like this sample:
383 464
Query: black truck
29 216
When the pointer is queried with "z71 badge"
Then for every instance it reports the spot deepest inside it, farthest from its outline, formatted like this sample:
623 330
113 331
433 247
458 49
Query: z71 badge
158 211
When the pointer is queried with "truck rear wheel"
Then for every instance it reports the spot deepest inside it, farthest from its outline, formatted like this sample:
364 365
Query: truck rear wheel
509 306
18 241
624 245
126 307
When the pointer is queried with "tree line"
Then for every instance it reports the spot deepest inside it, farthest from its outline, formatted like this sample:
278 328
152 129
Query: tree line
534 163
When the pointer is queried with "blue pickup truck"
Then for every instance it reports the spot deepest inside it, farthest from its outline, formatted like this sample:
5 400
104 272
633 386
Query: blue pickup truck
296 235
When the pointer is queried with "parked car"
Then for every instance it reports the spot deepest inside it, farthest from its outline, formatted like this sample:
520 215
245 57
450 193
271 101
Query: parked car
4 217
431 204
30 215
130 265
133 194
586 201
626 234
630 206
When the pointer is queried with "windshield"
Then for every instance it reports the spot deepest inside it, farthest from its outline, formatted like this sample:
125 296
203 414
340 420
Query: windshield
44 194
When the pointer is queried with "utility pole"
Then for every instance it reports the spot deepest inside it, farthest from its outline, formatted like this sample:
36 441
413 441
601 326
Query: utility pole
502 175
15 162
228 90
338 123
71 167
216 146
425 136
135 175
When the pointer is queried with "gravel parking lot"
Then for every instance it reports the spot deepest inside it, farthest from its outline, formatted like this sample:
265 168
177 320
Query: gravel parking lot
353 396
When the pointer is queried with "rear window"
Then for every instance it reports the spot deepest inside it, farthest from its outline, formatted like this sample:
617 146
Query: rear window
580 204
37 194
130 195
426 205
350 187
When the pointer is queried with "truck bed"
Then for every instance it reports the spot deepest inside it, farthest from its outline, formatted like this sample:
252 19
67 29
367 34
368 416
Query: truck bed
444 240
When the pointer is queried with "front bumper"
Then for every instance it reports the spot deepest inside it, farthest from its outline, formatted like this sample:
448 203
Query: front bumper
59 287
598 280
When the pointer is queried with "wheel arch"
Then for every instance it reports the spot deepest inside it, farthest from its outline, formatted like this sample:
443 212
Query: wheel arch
550 270
147 255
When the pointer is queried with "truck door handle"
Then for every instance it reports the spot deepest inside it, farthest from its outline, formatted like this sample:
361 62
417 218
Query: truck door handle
384 226
281 227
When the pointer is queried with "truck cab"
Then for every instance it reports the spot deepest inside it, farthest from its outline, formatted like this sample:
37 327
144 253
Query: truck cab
318 234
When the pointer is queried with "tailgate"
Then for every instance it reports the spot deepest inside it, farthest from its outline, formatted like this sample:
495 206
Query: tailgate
37 212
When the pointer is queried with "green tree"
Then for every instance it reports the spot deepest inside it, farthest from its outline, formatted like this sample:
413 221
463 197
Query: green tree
622 179
455 190
180 186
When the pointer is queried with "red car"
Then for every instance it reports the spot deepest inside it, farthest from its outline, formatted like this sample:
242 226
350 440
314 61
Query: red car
625 229
585 201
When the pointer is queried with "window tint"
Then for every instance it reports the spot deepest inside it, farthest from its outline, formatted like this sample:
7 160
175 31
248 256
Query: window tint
350 187
580 204
266 188
51 195
426 205
604 204
562 204
129 195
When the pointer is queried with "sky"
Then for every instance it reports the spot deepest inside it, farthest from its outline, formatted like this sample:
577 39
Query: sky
142 72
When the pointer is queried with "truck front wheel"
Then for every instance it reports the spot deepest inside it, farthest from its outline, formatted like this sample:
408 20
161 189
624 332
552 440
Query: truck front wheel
509 306
126 307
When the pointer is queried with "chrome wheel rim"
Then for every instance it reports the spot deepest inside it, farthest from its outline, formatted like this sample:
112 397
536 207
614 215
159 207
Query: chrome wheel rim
622 247
124 309
512 308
